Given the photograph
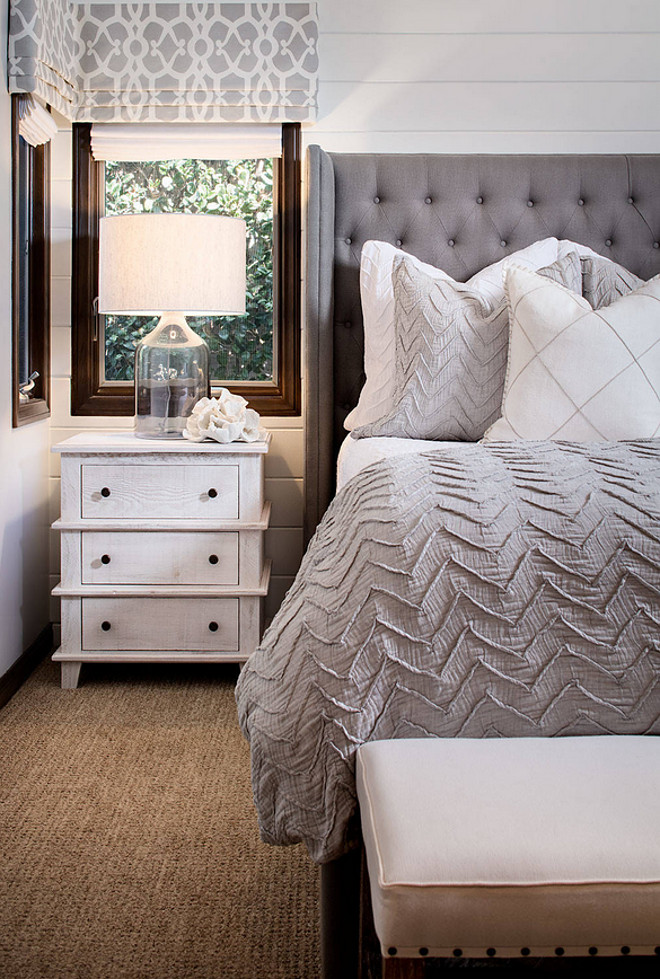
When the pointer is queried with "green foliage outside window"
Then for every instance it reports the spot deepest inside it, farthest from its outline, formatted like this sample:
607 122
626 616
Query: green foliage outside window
241 346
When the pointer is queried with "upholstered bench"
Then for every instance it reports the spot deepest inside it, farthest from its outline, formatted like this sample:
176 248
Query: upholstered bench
512 847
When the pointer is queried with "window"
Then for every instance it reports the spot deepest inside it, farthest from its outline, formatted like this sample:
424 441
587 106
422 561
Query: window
30 277
258 355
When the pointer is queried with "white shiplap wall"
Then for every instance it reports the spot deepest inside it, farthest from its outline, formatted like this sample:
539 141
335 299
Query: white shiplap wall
473 76
448 76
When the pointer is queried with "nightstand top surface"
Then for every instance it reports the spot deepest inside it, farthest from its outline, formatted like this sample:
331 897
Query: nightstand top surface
122 442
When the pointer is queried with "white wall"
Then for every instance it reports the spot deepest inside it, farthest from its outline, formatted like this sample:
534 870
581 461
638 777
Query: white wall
477 76
23 455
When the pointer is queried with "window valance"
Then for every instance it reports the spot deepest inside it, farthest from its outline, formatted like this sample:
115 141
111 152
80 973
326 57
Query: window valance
167 62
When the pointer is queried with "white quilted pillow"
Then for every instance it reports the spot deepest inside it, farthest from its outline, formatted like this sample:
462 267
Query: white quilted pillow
576 373
377 294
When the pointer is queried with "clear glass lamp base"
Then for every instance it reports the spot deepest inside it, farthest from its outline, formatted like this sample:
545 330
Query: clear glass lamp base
171 375
148 427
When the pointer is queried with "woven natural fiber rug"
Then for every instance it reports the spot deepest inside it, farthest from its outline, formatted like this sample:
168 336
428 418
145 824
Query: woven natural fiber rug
129 846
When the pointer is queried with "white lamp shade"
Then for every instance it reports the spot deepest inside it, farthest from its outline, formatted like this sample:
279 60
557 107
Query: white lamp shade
189 263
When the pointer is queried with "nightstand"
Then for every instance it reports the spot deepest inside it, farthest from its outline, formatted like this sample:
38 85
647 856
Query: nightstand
162 551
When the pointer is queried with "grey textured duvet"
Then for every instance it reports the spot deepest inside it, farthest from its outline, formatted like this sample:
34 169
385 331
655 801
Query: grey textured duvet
472 591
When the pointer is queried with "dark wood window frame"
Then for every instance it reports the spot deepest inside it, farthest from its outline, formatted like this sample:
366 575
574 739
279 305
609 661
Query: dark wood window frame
38 298
89 395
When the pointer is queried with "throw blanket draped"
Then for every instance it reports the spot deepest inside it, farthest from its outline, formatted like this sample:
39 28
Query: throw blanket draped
510 589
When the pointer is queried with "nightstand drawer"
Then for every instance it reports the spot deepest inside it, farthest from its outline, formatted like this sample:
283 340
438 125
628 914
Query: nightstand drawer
151 492
159 558
180 624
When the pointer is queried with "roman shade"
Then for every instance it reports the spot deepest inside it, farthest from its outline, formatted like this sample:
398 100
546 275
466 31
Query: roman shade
167 62
35 124
185 141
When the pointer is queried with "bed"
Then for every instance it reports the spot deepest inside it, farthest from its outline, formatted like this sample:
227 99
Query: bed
307 699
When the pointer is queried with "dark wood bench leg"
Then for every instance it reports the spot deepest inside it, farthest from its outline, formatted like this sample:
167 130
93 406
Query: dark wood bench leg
340 917
403 968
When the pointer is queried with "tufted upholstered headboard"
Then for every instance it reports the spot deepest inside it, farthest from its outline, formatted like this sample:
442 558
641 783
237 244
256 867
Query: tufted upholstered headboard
459 213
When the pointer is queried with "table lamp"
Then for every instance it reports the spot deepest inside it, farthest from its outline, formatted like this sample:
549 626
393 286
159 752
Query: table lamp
169 265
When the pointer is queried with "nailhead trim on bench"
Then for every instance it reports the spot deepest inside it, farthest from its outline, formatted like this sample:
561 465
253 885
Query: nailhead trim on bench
491 952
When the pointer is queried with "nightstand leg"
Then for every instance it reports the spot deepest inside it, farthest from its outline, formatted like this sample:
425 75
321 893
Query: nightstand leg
70 675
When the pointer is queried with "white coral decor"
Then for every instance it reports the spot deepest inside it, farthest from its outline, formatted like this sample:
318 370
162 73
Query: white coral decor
225 419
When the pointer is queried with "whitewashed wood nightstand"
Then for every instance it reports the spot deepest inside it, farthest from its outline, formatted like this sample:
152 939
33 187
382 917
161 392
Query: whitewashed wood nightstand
162 551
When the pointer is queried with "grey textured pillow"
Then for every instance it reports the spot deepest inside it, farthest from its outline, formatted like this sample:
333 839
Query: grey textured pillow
451 354
603 281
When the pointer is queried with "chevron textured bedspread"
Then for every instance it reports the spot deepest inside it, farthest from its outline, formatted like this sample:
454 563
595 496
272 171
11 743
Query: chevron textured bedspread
508 589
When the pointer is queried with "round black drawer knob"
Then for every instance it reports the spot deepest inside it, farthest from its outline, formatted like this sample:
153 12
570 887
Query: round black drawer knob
213 626
213 493
105 491
106 626
105 559
213 559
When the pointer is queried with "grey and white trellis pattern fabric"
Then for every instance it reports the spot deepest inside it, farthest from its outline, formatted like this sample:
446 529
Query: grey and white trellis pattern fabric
167 62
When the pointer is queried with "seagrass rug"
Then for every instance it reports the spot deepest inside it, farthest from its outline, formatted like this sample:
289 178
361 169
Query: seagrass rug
129 846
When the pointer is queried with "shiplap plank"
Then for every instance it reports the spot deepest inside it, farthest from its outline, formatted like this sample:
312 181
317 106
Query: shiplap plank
61 156
60 252
271 423
60 301
286 496
279 585
60 351
284 546
494 57
485 16
60 204
285 457
622 141
479 106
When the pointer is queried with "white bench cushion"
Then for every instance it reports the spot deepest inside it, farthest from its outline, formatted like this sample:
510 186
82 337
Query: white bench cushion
510 844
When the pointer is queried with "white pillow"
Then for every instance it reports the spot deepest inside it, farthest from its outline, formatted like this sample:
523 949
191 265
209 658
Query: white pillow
377 294
577 373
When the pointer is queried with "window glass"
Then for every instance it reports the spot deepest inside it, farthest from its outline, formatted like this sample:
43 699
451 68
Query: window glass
241 347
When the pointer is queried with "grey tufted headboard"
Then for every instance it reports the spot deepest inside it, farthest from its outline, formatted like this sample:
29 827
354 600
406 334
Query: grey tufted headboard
460 213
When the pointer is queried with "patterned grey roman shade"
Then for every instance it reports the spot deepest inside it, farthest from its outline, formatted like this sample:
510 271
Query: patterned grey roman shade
167 62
